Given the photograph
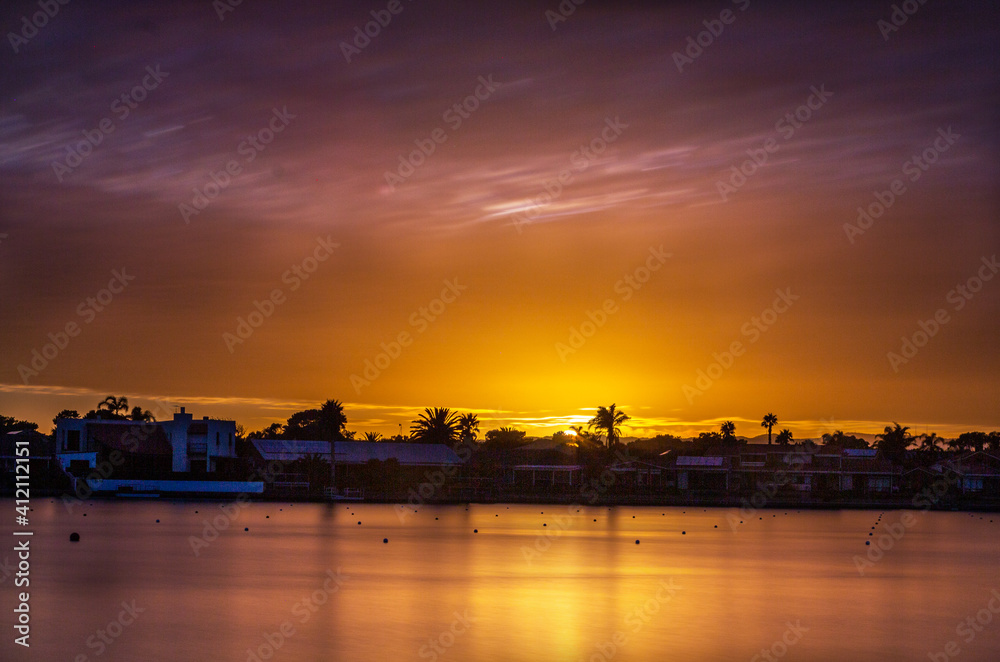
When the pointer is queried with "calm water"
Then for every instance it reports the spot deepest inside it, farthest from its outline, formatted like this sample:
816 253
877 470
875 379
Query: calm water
788 583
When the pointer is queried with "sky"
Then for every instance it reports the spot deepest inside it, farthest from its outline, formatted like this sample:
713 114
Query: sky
498 208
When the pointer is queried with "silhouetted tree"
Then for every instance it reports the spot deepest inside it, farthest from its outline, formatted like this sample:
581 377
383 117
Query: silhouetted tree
142 415
785 437
770 420
468 428
332 421
973 441
840 440
372 436
435 426
608 420
272 431
728 430
11 424
893 442
65 413
505 437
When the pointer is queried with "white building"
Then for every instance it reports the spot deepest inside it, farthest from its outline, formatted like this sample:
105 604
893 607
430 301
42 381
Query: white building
192 445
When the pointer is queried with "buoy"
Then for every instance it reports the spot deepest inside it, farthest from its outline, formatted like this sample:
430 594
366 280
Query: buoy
359 523
636 542
385 540
267 517
157 521
595 520
246 528
868 542
716 526
74 537
684 533
85 514
475 530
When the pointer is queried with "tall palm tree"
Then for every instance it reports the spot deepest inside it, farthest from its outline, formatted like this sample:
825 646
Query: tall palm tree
785 437
770 420
435 426
332 421
372 436
608 420
468 427
728 429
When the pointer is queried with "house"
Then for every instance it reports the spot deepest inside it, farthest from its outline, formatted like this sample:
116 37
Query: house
149 449
975 473
374 467
44 472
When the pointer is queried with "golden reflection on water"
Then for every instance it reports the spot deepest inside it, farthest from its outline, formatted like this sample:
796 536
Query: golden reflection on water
534 583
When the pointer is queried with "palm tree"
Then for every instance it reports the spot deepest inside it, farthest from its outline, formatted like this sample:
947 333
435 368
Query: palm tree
468 427
930 442
117 407
332 421
608 420
785 437
728 430
770 420
372 436
893 441
142 415
435 426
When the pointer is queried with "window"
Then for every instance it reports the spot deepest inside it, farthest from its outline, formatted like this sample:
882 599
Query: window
972 484
72 440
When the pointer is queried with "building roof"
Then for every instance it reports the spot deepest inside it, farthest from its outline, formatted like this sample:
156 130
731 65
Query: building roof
358 452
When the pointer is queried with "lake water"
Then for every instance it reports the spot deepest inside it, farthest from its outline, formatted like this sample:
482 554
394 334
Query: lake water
307 582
